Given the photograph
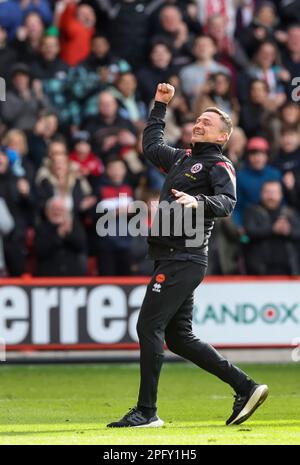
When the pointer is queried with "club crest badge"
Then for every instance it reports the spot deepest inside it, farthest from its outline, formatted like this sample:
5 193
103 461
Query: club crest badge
196 168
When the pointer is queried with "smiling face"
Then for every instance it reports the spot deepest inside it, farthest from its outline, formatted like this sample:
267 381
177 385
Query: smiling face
209 127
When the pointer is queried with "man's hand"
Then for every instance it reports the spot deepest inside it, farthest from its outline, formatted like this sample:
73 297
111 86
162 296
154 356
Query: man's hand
164 93
185 199
23 187
282 226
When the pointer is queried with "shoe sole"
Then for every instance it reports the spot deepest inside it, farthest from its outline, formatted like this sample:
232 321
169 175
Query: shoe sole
154 424
258 397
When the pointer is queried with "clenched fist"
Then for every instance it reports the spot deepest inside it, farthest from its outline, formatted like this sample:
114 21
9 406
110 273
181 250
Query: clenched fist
164 93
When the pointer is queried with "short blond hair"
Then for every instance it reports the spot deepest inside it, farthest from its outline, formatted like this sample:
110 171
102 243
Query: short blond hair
21 135
225 118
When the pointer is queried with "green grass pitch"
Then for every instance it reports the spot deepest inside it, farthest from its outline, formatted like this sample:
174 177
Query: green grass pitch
71 404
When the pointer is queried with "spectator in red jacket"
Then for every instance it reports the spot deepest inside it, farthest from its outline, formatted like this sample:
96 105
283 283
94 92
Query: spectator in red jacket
113 250
77 26
87 162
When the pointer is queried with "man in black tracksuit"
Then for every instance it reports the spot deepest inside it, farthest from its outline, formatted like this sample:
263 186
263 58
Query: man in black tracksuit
201 178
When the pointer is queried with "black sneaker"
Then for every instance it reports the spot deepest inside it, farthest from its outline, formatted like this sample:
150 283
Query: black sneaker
245 405
135 418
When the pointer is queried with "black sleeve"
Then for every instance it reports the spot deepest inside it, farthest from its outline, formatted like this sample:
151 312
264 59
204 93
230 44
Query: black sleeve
257 224
294 220
223 182
161 155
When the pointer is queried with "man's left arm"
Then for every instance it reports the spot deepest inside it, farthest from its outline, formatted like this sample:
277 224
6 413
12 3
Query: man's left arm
223 182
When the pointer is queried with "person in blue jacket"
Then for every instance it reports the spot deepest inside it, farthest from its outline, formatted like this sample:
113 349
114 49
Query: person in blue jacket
252 176
13 12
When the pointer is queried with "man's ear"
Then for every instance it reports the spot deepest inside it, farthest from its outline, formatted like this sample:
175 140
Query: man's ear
223 138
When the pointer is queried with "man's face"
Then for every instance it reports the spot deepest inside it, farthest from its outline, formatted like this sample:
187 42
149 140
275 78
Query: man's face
56 211
271 195
86 16
204 48
293 40
217 27
127 84
289 141
257 160
266 15
100 47
116 171
21 81
161 56
107 105
50 48
209 128
170 18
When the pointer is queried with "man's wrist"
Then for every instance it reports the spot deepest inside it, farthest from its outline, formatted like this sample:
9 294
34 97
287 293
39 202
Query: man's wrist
159 109
159 103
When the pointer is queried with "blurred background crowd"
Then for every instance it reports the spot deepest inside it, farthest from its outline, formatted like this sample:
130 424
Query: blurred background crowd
80 80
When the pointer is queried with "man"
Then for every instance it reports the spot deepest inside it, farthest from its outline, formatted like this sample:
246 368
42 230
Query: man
274 231
60 242
202 178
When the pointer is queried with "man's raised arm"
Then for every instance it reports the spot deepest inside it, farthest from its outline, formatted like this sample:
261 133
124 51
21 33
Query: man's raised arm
161 155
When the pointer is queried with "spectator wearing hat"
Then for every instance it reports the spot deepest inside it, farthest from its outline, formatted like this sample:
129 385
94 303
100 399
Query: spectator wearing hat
82 156
252 175
273 230
24 100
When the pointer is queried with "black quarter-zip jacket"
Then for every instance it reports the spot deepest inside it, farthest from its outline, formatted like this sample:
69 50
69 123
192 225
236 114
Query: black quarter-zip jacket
202 171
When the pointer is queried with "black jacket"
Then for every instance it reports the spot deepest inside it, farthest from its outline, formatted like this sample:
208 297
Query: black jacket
202 171
268 252
60 256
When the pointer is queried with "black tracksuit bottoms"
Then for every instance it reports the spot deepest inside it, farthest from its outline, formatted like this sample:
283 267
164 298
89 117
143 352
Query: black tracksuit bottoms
166 314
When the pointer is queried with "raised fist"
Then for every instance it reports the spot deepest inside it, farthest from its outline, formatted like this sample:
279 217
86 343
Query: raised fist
164 93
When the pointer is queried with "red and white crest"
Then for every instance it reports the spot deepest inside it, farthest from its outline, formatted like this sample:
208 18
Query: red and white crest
196 168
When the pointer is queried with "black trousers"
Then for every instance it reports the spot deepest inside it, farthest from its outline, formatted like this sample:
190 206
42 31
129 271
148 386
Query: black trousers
166 314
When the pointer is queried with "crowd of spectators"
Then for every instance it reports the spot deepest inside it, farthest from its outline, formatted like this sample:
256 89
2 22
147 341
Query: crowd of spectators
80 80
